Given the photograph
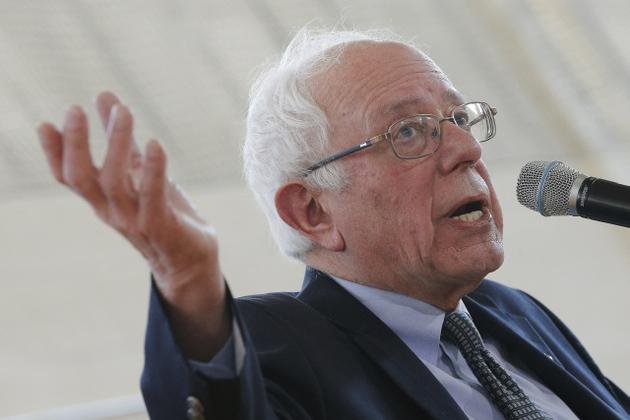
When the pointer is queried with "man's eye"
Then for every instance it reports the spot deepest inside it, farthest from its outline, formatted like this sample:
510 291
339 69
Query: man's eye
461 119
409 131
414 130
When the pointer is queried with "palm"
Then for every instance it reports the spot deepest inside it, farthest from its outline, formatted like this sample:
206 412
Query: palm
183 242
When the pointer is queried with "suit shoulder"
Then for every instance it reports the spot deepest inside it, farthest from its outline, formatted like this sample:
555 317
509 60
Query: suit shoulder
268 300
493 287
504 297
278 305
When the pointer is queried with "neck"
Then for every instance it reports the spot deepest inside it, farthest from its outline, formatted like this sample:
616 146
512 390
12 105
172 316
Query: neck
442 292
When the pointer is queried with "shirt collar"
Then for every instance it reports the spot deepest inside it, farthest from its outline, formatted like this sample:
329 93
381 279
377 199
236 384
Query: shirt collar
418 324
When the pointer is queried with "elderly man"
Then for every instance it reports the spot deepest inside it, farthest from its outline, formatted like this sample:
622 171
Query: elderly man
367 163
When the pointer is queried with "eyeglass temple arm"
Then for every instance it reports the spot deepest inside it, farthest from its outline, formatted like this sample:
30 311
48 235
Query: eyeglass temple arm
339 155
481 117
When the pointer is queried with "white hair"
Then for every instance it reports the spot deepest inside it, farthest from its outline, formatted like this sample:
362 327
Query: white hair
287 131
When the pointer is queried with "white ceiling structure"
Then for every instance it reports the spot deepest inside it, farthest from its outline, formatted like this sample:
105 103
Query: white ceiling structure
557 70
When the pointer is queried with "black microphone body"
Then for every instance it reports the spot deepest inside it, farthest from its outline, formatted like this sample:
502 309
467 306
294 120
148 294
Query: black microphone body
552 189
603 200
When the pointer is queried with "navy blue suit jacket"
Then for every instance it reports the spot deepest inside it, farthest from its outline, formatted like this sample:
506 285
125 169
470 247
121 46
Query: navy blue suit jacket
321 354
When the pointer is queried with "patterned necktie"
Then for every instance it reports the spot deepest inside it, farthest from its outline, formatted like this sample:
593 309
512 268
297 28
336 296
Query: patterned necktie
459 329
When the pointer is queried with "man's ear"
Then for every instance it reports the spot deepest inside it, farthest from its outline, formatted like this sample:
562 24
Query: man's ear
299 207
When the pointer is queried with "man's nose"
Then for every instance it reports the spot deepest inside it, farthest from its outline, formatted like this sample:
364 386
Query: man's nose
458 147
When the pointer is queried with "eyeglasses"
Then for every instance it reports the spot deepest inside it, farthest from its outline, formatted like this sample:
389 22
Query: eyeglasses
418 136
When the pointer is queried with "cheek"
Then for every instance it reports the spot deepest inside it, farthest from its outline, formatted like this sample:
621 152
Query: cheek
396 199
406 221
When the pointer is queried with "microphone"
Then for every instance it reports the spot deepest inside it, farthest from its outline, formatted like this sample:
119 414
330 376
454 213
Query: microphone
554 189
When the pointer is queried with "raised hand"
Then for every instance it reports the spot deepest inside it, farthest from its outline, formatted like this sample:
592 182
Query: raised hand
132 193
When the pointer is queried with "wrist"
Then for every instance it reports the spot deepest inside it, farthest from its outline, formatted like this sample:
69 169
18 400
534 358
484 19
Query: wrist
199 316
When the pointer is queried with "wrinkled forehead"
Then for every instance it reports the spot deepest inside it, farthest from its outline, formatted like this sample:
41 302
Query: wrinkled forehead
360 59
376 53
384 79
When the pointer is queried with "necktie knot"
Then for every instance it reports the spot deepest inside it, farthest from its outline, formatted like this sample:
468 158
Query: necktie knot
459 329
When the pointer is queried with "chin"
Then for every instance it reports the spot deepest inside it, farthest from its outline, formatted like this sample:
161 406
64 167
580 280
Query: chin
470 266
492 259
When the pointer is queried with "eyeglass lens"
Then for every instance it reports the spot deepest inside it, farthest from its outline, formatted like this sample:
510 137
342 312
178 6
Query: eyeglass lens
480 121
419 135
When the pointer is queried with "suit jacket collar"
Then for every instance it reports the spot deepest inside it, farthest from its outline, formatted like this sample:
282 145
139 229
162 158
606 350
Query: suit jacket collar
380 344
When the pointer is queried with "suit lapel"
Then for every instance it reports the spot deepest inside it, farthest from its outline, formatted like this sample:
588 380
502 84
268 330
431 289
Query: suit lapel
518 337
380 344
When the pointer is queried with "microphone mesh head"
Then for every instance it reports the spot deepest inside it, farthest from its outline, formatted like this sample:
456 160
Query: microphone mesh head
545 187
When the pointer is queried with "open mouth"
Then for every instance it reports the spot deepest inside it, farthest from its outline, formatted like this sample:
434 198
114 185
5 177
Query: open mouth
469 212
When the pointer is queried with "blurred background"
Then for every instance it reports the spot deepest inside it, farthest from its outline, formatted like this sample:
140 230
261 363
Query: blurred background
73 294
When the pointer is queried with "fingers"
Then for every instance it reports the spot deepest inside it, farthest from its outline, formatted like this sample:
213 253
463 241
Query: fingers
124 207
50 139
153 187
110 190
77 168
115 175
105 102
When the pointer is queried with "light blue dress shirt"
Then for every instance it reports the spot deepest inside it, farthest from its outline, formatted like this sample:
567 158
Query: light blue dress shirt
419 325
